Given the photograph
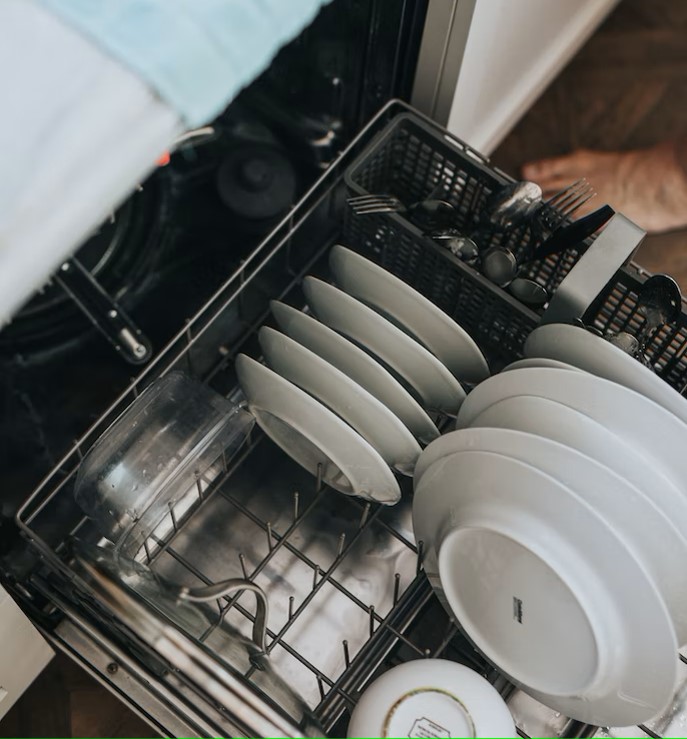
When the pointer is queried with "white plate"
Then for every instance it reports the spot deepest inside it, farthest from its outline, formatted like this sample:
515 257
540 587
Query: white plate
312 435
545 588
409 310
653 433
540 362
572 428
372 420
566 445
431 697
433 383
568 426
357 365
583 349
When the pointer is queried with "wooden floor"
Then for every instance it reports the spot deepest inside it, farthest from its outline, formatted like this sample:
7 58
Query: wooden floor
64 701
626 88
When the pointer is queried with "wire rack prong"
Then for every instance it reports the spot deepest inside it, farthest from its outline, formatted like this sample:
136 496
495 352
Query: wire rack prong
242 560
365 514
397 587
320 685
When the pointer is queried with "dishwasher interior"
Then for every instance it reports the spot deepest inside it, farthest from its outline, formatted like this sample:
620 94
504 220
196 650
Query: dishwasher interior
344 578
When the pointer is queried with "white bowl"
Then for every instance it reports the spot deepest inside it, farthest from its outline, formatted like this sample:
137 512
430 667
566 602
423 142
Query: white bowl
431 697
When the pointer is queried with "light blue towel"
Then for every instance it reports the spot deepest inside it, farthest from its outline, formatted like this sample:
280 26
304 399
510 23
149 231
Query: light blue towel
196 54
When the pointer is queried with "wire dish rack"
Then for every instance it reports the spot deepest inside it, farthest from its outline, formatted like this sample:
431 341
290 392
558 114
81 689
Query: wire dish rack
344 578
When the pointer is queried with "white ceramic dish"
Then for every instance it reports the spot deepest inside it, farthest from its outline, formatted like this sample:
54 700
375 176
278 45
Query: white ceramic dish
359 366
370 418
545 588
572 428
568 426
645 527
434 384
583 349
653 433
411 311
540 362
312 435
431 698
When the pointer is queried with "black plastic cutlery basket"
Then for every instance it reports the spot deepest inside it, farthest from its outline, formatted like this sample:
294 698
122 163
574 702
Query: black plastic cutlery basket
415 159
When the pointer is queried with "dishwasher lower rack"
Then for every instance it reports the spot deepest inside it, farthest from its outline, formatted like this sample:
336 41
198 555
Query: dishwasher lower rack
344 578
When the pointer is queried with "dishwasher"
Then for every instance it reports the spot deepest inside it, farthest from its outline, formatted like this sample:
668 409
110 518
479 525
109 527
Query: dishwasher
344 579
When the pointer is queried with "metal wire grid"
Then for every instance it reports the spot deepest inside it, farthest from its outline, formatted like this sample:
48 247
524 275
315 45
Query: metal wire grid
338 692
369 516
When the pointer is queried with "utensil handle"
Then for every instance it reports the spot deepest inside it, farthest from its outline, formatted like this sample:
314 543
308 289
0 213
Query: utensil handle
612 249
572 234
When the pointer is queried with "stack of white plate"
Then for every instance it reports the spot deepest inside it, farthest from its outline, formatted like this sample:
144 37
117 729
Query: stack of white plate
353 395
554 524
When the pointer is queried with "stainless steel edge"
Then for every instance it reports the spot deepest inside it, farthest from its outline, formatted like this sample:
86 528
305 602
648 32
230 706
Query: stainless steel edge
444 39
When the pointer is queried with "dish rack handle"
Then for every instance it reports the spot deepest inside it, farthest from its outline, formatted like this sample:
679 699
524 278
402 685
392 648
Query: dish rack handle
227 587
596 268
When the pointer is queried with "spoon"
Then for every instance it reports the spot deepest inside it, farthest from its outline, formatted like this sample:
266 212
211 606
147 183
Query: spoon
529 292
624 341
660 302
461 246
432 214
512 204
499 265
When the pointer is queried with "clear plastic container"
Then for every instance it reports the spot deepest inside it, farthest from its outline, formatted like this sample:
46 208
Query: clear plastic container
166 448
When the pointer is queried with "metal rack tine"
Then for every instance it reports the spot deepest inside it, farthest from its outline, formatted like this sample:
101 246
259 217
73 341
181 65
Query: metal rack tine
397 587
342 544
363 518
347 656
420 555
320 685
269 536
296 502
291 600
242 560
172 515
315 576
371 611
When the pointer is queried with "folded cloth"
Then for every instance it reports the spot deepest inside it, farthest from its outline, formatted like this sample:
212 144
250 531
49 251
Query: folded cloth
195 54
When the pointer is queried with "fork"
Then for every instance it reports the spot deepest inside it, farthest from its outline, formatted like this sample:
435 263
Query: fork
564 203
367 204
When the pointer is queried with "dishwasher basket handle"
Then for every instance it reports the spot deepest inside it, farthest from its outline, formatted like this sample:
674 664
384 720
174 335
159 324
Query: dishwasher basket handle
596 268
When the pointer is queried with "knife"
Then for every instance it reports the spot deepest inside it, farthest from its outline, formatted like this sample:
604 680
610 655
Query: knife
568 236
